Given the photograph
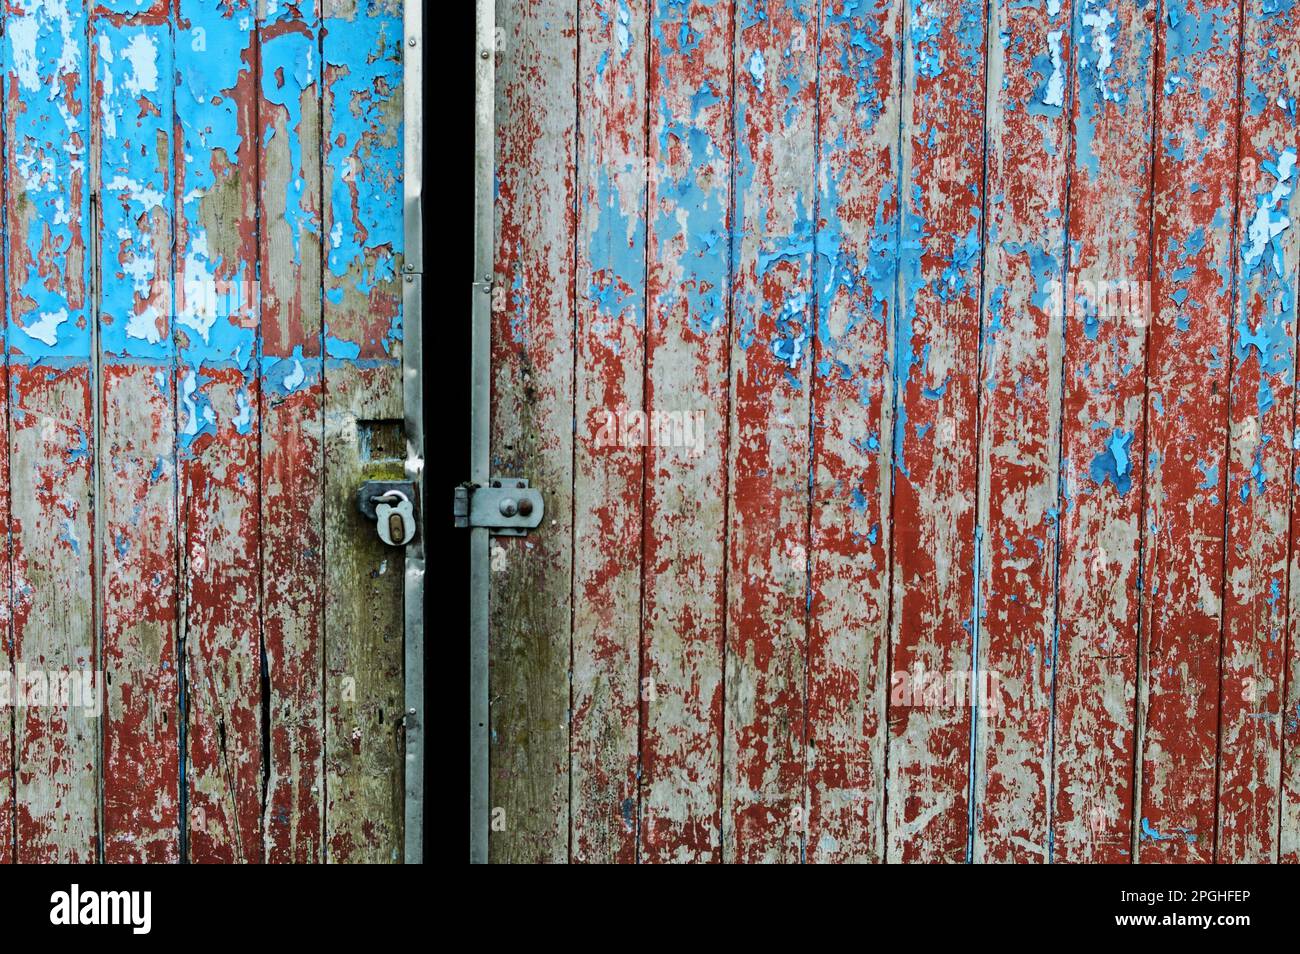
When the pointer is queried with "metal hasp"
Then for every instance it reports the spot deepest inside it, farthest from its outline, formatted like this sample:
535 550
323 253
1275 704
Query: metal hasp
506 507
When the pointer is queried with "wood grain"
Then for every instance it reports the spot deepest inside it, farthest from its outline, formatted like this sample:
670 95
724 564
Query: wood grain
1194 255
216 302
773 319
361 57
532 426
608 453
50 440
131 54
852 431
1027 128
936 344
169 182
687 345
1107 314
292 463
1259 468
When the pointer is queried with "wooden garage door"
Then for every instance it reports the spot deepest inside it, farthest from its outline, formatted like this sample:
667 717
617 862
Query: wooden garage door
868 350
202 211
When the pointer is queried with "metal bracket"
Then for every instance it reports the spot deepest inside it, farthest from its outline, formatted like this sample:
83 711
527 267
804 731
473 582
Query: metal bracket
507 507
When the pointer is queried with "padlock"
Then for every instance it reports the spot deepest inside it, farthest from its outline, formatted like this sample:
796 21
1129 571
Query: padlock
396 521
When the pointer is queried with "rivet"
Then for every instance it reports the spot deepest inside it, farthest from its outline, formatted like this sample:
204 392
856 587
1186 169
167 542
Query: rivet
525 507
508 507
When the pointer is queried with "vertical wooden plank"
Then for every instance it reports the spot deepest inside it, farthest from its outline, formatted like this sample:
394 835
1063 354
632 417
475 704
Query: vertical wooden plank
775 116
57 797
131 53
1289 807
292 427
532 428
215 264
855 252
1030 51
8 765
1259 464
50 435
936 335
1187 391
607 459
361 61
686 385
1107 313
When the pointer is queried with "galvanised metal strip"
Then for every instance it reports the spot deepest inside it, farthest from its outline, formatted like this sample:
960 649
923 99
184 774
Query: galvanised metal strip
479 409
413 397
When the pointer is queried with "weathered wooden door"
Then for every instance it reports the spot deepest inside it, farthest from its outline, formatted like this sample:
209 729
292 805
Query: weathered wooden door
912 388
204 276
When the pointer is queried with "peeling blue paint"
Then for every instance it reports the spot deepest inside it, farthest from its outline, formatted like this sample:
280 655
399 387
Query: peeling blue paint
45 49
134 64
1112 464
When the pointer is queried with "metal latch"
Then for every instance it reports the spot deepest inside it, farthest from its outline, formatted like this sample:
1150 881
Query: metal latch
507 506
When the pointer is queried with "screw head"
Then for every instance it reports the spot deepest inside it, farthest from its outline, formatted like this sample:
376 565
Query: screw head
411 42
484 55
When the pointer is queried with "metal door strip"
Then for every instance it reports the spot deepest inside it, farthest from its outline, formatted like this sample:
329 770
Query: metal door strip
484 149
413 400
